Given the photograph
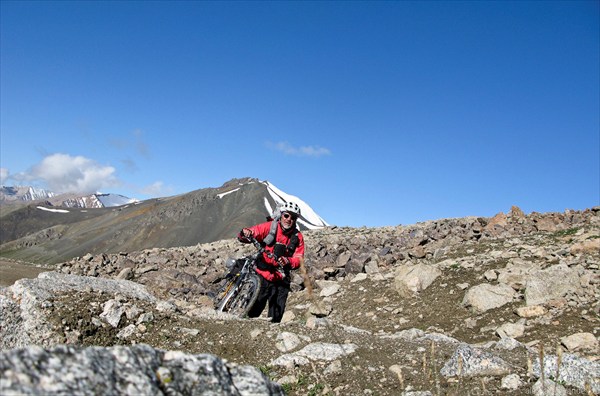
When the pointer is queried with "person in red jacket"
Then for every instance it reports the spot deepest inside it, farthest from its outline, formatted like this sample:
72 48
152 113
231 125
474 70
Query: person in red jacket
284 253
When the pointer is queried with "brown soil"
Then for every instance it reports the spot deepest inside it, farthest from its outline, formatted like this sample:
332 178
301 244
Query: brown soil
12 271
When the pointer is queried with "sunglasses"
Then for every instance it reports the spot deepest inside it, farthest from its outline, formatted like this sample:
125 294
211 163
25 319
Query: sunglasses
286 215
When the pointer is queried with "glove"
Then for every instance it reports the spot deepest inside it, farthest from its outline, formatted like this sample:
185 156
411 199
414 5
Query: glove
283 261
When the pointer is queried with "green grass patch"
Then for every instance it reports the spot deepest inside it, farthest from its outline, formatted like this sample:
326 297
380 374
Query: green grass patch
564 233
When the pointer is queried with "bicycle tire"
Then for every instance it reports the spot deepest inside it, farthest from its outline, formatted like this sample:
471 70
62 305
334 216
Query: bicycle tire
242 302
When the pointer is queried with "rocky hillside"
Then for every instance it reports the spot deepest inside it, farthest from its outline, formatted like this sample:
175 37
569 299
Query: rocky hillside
503 305
44 234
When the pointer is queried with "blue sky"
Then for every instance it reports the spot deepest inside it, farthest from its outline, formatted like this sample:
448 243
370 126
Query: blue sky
374 113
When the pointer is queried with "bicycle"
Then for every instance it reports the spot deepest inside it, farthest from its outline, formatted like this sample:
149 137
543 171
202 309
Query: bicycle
240 292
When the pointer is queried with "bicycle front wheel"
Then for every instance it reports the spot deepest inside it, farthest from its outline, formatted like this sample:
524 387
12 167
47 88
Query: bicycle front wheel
242 302
224 294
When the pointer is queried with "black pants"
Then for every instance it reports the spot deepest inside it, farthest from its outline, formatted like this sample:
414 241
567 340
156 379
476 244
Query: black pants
274 293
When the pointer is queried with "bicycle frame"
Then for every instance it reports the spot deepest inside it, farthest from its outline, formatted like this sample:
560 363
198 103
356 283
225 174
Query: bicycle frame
232 288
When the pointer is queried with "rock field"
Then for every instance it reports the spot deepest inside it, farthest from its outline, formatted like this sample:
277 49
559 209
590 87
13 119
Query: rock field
471 306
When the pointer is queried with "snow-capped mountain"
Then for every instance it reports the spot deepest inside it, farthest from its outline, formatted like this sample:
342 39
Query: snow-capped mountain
30 194
98 200
23 193
310 219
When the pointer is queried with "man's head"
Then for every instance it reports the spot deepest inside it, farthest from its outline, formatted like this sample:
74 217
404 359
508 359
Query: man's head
289 213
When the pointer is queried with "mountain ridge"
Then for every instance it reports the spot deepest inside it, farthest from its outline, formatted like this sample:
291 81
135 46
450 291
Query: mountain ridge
13 195
42 234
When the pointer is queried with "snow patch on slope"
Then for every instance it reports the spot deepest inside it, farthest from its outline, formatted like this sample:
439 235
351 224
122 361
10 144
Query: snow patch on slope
52 210
225 193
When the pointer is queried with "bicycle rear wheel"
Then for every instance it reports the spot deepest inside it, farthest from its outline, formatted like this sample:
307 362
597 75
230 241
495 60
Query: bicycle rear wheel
241 303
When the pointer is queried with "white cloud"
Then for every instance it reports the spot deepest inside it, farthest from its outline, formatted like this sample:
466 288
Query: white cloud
314 151
3 175
302 151
65 173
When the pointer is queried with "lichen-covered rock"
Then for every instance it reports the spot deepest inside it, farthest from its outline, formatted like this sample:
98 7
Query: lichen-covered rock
24 306
573 371
471 362
135 370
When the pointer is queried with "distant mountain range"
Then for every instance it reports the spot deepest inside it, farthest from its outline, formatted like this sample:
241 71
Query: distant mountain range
43 232
27 194
23 193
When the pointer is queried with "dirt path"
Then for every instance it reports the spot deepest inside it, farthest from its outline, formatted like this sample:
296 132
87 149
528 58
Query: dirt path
11 271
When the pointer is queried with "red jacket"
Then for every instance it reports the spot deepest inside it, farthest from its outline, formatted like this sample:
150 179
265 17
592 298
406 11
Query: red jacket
260 231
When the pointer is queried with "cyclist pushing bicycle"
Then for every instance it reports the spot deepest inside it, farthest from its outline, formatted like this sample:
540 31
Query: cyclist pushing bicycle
283 251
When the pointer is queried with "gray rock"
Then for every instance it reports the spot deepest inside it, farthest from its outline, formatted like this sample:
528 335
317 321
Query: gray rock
112 312
359 277
145 317
548 387
511 330
330 290
334 367
415 278
135 370
508 344
490 275
23 312
372 267
126 273
485 296
287 341
580 341
470 362
290 361
511 382
325 351
555 282
574 371
343 259
354 266
127 332
320 309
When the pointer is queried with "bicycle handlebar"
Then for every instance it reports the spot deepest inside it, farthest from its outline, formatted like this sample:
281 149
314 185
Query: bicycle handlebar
261 249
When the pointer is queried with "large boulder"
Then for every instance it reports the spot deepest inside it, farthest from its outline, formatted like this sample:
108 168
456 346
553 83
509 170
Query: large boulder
551 283
414 278
484 297
26 306
472 362
574 371
131 370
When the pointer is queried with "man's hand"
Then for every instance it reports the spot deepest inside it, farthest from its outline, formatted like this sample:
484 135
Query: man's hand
283 261
245 235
